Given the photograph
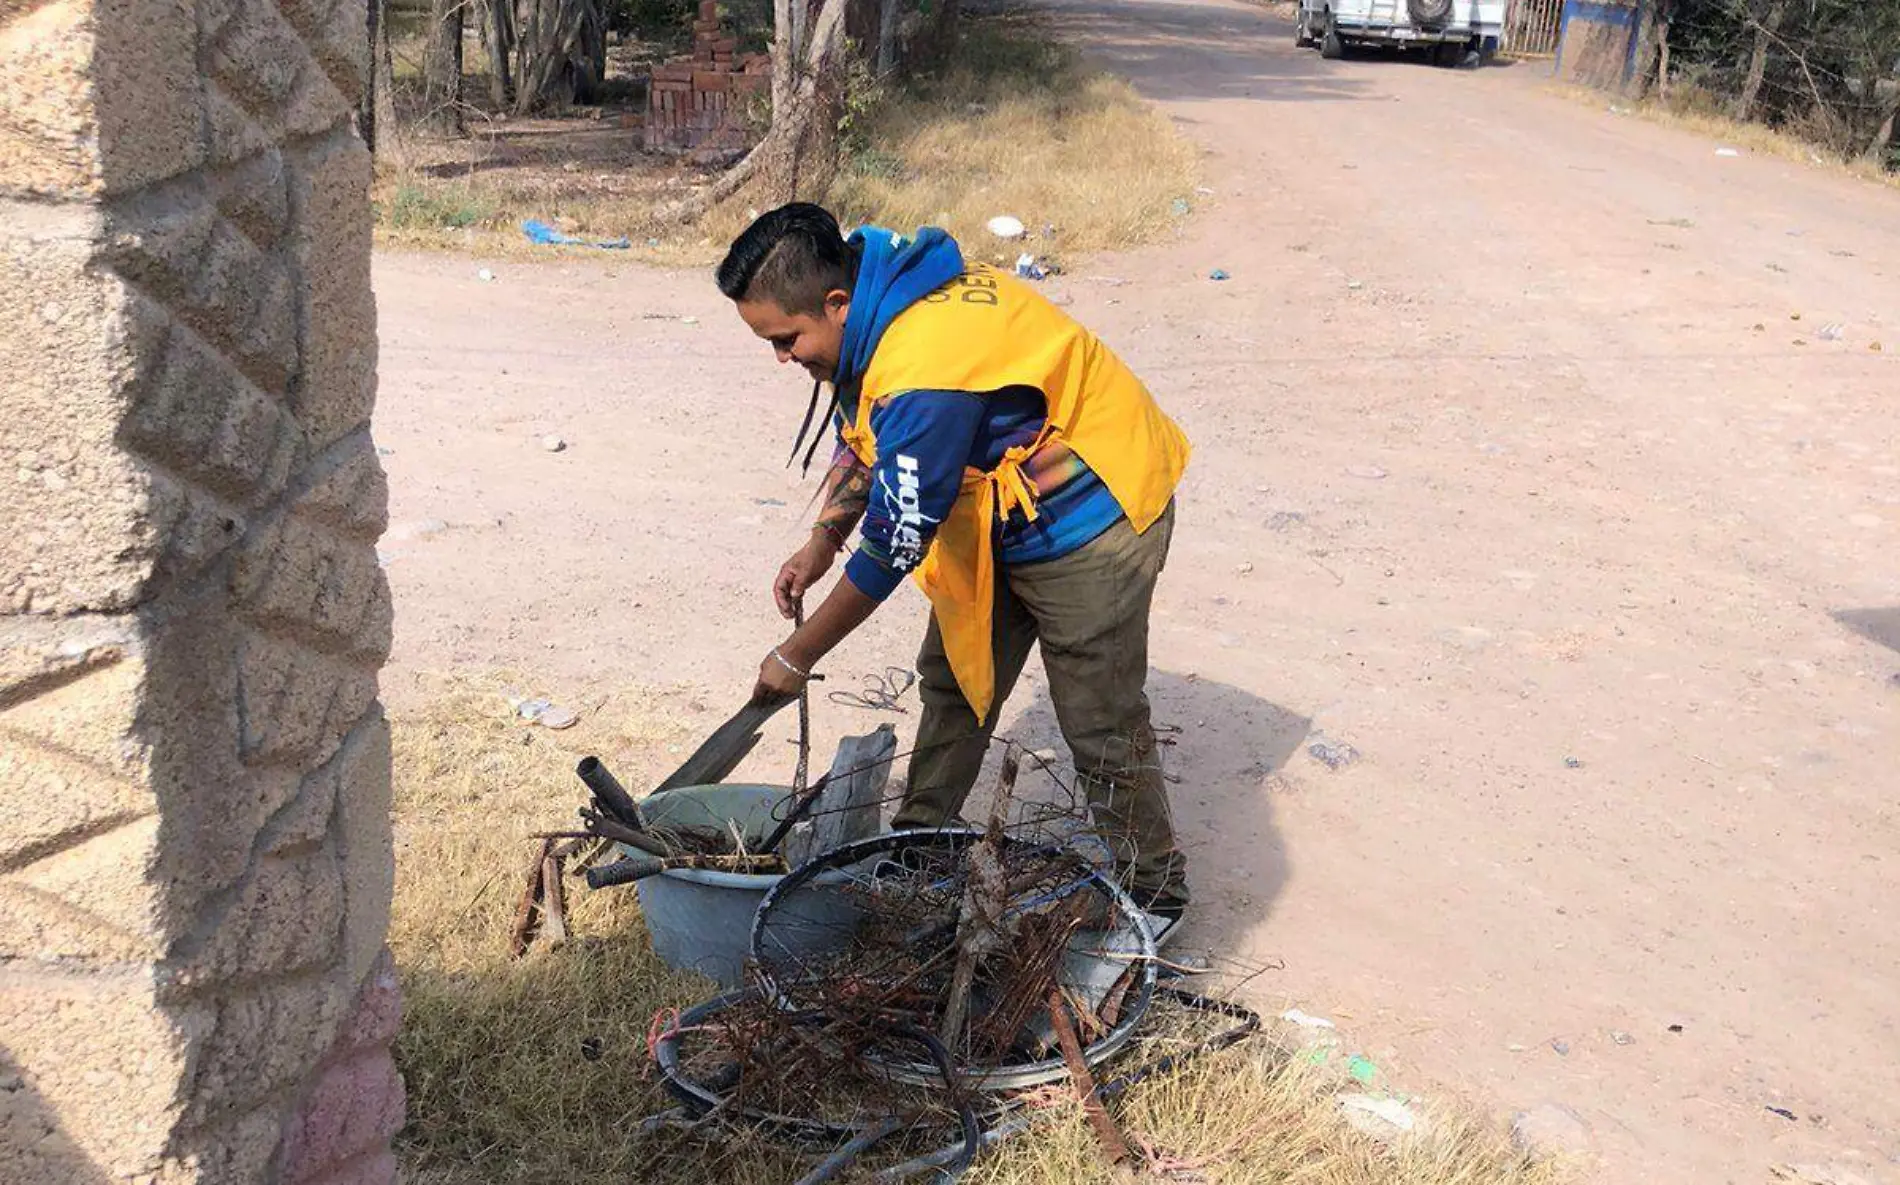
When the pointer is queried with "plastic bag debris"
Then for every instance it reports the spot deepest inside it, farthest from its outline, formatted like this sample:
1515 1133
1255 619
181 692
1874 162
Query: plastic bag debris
1332 754
1389 1112
546 713
540 232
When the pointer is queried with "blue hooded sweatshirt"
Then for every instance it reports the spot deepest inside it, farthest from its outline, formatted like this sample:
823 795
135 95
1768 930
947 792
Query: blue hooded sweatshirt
940 433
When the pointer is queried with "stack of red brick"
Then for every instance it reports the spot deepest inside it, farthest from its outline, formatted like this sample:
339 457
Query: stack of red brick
701 102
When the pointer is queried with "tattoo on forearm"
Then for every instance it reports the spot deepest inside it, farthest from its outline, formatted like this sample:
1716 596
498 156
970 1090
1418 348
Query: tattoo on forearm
849 495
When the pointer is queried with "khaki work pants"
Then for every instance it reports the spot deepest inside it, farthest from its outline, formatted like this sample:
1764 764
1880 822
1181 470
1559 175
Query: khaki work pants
1089 611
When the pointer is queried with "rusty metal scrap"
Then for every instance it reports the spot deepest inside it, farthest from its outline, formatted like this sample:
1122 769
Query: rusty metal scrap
1114 1148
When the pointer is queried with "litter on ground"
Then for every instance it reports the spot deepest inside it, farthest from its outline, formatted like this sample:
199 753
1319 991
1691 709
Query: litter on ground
547 236
1377 1116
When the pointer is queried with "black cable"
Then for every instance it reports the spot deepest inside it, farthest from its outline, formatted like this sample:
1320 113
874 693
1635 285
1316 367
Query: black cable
853 1148
1250 1024
966 1113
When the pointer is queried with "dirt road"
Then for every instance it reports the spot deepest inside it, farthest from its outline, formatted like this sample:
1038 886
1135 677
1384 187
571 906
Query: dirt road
1516 472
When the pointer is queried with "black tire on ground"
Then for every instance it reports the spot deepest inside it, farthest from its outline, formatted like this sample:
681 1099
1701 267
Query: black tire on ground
1331 47
1448 54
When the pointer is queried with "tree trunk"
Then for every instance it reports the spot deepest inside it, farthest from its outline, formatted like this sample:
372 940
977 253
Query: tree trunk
785 55
803 147
801 24
1758 60
442 68
500 20
798 158
1662 64
594 51
563 54
387 132
886 37
366 116
1876 152
944 32
1650 35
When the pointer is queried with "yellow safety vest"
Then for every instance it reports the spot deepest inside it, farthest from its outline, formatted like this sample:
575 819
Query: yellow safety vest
985 331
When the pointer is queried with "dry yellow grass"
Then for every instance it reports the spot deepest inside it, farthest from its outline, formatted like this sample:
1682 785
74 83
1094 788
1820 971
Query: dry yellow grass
1700 113
1014 124
499 1088
1019 125
534 1072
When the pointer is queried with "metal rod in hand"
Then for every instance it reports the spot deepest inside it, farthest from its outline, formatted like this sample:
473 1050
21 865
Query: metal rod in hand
802 796
803 769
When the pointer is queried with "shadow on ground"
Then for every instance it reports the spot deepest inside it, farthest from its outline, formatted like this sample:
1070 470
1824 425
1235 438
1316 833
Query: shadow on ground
565 146
1225 746
1876 625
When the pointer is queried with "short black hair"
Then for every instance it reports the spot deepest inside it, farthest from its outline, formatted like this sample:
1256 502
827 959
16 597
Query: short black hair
793 255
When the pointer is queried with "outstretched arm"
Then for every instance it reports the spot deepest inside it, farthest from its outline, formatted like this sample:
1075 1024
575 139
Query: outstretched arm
924 439
846 487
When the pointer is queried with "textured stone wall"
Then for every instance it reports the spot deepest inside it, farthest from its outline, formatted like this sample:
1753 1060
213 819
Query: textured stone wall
195 862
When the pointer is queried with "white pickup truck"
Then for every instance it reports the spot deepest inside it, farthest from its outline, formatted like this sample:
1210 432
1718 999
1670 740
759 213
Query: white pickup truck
1454 31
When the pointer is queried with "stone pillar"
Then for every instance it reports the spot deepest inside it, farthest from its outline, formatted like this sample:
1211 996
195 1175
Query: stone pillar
195 859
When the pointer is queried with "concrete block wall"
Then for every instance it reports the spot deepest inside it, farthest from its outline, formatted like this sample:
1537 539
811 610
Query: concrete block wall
700 102
195 857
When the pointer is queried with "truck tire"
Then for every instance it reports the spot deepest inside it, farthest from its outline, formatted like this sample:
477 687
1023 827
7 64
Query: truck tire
1448 54
1331 47
1429 14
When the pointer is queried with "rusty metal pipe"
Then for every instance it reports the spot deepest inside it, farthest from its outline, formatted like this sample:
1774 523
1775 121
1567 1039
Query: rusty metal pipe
623 872
609 793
